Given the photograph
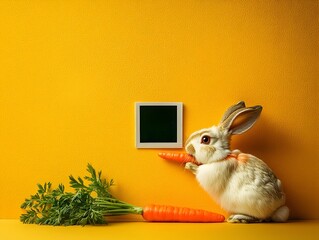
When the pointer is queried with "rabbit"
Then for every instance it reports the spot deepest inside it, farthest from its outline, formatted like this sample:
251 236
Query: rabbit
241 183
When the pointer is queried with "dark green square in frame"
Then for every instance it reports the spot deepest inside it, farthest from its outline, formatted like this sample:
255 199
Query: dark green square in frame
159 124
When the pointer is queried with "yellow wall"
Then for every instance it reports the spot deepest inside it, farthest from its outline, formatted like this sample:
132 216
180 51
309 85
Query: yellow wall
70 72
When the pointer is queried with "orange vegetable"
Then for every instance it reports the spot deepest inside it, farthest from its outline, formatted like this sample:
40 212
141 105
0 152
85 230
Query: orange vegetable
163 213
178 157
91 202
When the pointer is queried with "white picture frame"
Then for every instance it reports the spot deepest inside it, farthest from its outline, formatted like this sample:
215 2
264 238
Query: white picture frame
159 124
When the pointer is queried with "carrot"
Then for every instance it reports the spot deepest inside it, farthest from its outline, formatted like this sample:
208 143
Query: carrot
178 157
156 213
163 213
92 201
231 155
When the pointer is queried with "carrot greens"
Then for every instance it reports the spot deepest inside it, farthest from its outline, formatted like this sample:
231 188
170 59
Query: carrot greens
87 204
90 201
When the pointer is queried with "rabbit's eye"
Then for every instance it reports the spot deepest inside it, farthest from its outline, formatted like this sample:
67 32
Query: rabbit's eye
205 139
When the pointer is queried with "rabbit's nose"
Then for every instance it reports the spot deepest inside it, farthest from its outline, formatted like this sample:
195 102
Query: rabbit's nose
190 149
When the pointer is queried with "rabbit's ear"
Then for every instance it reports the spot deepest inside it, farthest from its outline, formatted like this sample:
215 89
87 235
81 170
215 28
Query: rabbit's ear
241 120
232 109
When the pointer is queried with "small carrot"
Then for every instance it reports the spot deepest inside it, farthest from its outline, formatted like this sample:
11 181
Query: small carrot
178 157
163 213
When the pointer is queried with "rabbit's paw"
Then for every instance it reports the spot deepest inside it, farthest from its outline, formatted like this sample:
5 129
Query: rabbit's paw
191 167
241 218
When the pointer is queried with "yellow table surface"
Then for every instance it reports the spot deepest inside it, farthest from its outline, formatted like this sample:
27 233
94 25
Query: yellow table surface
13 229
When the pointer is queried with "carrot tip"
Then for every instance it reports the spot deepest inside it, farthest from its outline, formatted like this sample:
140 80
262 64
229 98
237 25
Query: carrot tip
178 157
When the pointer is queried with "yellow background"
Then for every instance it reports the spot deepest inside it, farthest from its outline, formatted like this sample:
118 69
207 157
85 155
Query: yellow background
70 72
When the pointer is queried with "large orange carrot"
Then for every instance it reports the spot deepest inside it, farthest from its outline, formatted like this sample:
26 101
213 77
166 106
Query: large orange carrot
91 202
163 213
157 213
178 157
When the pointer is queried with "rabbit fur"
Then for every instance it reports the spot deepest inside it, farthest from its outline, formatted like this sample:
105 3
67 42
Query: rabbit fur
241 183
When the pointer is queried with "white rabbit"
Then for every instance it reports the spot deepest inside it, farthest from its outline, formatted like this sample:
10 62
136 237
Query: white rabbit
241 183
